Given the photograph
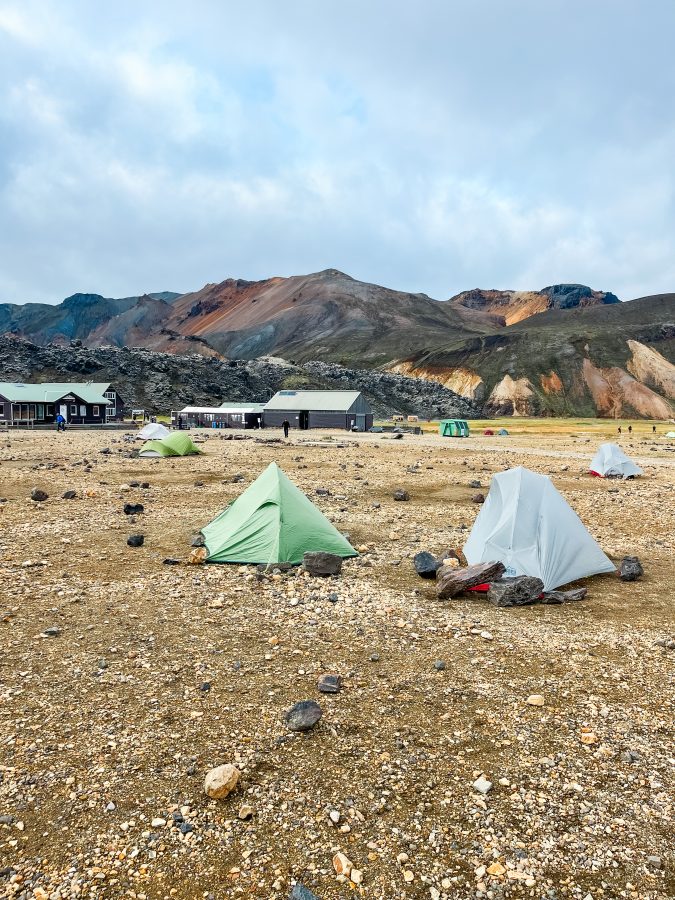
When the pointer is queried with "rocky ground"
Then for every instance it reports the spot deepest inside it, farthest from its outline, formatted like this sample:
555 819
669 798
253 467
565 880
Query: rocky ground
125 680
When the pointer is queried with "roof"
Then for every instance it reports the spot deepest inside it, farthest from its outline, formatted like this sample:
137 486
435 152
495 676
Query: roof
319 401
224 409
50 392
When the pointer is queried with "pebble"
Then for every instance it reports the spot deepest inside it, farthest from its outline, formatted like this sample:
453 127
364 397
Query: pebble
482 785
535 700
221 781
329 684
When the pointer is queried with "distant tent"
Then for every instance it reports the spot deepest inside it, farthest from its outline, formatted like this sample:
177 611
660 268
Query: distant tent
176 444
502 432
529 527
489 432
153 431
670 434
453 428
610 461
271 522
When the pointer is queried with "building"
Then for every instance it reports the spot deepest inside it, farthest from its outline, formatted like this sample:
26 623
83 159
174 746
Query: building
319 409
115 409
229 415
40 404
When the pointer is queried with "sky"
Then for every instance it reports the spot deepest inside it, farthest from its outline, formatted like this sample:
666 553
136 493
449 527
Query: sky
432 147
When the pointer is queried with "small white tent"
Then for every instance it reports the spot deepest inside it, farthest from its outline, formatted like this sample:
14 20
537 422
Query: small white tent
530 528
153 431
610 460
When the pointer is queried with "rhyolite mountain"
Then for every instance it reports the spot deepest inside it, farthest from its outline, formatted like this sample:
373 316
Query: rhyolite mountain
562 350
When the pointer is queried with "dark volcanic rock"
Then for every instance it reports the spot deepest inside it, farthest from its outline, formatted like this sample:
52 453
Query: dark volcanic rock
69 495
329 684
401 495
478 498
303 715
426 564
38 495
518 591
135 540
555 597
630 569
322 564
300 892
133 509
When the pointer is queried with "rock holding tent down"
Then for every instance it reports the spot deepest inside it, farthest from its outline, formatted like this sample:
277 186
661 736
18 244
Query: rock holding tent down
630 569
519 591
322 564
453 580
553 598
426 564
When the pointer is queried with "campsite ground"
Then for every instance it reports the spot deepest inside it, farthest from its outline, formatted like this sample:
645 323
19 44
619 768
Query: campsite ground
109 725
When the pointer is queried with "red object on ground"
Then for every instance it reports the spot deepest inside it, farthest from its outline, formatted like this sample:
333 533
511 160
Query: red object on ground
488 431
594 474
481 588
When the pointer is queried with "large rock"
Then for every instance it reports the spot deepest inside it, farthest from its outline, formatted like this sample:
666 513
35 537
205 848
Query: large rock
221 781
303 715
300 892
453 580
521 590
555 597
322 564
38 495
426 564
401 495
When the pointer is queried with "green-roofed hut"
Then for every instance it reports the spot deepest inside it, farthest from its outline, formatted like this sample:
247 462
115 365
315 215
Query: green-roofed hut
80 403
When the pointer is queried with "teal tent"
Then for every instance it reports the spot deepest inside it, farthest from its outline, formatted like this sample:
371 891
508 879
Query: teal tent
454 428
271 522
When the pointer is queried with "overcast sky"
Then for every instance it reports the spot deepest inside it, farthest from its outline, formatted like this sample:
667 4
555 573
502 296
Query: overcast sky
430 146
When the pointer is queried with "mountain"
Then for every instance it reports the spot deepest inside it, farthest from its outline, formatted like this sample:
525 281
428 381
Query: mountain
607 360
564 349
514 306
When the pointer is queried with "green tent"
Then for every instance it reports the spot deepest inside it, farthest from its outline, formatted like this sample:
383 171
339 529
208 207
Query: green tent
271 522
454 428
176 444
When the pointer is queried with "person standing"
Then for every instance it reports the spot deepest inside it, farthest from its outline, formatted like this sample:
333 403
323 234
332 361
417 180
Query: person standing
630 429
653 429
286 426
619 429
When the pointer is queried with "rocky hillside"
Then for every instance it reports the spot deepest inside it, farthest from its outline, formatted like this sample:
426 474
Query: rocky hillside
596 360
159 382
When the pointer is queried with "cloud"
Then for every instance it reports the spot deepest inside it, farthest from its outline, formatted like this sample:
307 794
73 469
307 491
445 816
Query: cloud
432 148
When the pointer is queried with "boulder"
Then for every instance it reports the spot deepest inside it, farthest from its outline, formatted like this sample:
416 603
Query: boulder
322 564
133 509
221 781
38 495
478 498
135 540
453 580
518 591
303 715
401 495
426 564
630 568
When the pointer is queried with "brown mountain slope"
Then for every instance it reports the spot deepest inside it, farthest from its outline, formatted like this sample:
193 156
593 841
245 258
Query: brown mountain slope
326 315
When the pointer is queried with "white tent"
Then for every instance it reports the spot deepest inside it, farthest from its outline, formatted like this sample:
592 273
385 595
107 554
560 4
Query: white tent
529 527
670 434
611 460
153 431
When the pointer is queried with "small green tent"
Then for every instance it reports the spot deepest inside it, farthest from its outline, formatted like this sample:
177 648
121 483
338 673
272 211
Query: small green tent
454 428
176 444
271 522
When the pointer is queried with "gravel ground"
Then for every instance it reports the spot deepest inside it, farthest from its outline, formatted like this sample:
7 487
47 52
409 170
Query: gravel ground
124 680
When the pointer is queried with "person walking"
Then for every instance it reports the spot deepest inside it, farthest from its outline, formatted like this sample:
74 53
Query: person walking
619 429
630 429
286 426
60 423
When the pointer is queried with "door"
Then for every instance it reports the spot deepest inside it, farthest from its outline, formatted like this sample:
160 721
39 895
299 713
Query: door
361 421
303 420
63 409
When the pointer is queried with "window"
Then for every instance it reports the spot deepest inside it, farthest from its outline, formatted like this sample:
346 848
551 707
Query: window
94 411
2 410
73 409
50 410
83 410
40 411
